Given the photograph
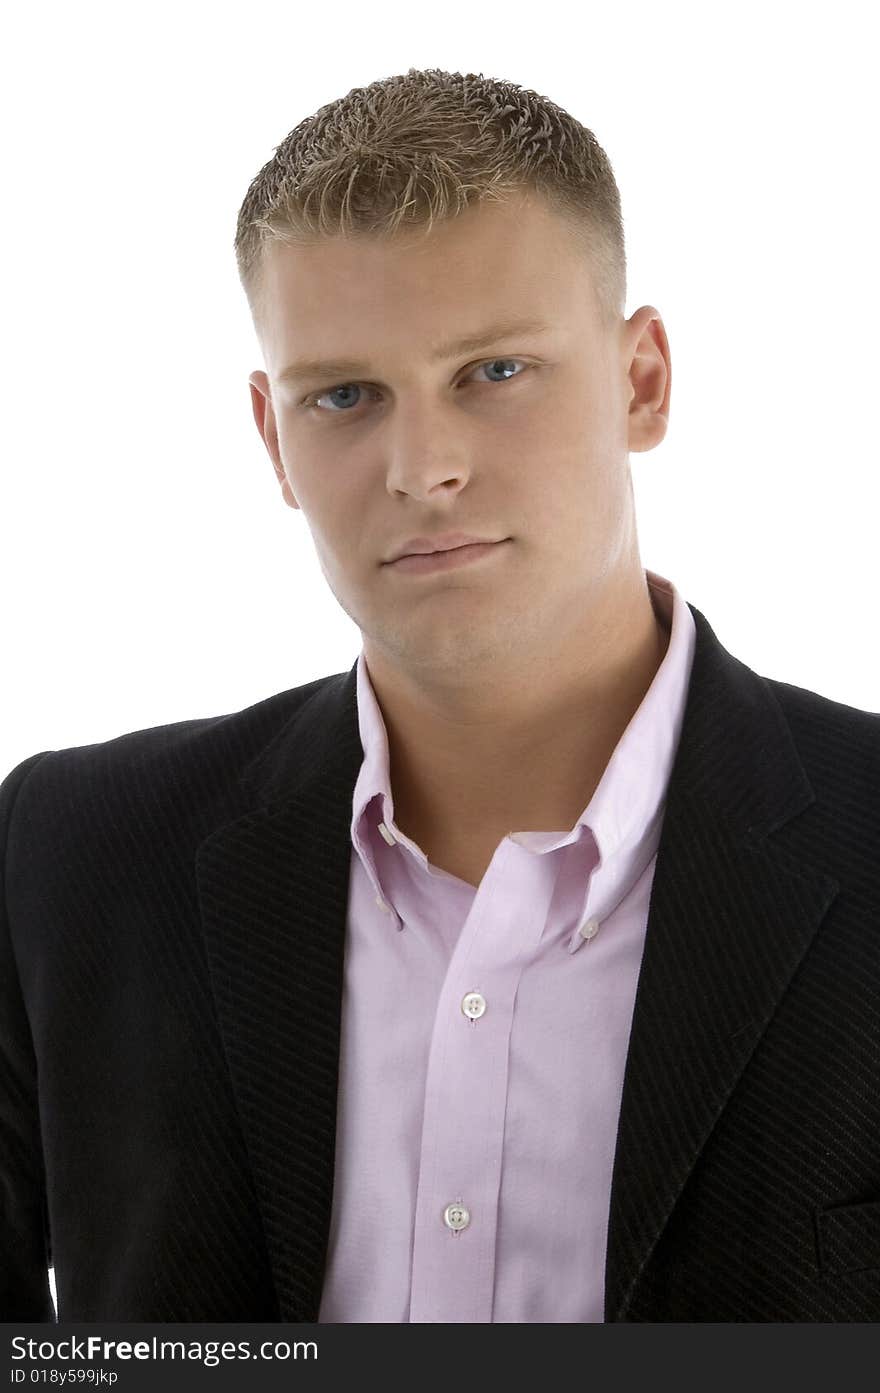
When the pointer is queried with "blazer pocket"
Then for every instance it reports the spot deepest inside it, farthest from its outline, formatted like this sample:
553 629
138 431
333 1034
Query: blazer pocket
848 1237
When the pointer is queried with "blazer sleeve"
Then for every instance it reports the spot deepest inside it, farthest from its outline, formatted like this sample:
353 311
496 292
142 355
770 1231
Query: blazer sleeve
25 1294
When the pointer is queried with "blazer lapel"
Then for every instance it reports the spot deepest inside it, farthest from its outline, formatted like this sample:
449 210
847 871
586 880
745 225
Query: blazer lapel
273 893
731 915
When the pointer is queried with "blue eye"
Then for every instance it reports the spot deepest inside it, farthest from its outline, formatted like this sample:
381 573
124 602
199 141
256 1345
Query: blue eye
346 388
334 391
493 363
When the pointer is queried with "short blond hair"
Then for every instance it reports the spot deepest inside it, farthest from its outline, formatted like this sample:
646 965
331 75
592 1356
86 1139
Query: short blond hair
416 148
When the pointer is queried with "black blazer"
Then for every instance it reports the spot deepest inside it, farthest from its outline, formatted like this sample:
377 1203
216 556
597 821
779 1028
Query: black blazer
170 996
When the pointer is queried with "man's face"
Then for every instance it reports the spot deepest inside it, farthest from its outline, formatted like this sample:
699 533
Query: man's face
526 439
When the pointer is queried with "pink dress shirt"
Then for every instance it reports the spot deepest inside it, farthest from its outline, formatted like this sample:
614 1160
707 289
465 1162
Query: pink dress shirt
484 1039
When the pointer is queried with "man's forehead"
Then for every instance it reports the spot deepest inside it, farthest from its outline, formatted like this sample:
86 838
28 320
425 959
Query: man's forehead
328 299
501 242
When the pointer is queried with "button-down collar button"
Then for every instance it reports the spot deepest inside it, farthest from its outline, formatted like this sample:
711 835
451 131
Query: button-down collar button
456 1216
382 904
589 929
387 834
473 1005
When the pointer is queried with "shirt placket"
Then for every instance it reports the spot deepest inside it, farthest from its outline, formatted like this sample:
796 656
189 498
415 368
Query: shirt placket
460 1159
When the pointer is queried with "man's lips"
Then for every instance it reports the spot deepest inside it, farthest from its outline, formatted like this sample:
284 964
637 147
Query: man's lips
446 541
449 559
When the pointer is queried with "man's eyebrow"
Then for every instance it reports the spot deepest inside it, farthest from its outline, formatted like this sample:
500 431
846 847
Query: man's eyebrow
450 348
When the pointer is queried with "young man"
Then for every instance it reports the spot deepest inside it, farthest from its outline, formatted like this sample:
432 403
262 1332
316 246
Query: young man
525 972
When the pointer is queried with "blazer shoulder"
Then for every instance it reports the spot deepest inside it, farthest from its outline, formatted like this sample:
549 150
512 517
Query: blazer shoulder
180 758
813 705
839 749
840 741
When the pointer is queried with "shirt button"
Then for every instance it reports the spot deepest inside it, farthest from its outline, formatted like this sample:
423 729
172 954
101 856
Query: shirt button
456 1216
589 929
473 1005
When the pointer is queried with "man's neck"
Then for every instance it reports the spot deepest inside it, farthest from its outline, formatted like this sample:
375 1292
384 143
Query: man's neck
531 757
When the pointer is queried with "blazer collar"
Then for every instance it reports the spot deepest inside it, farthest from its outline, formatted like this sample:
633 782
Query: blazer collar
731 915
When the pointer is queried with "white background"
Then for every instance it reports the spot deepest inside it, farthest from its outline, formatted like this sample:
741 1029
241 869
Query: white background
150 569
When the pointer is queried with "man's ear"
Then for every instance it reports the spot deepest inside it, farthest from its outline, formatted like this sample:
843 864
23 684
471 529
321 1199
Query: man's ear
264 416
650 374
